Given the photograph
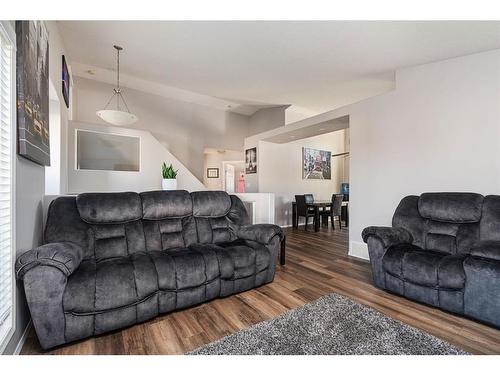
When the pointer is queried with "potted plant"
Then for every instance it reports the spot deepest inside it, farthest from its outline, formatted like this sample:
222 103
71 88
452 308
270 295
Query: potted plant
169 181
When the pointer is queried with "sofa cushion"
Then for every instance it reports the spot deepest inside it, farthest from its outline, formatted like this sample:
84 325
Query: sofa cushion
194 268
248 257
120 282
441 242
421 267
210 203
451 238
490 221
65 225
451 273
451 207
170 233
110 284
486 249
429 268
158 205
109 208
116 240
238 259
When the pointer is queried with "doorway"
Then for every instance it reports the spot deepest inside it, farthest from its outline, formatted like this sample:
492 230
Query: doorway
233 176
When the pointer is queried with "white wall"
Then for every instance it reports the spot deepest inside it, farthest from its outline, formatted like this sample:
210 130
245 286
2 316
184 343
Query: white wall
438 131
53 172
30 189
153 154
266 119
281 172
263 206
185 129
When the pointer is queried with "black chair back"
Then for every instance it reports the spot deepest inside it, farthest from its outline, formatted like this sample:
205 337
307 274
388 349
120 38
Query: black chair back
300 201
337 204
309 198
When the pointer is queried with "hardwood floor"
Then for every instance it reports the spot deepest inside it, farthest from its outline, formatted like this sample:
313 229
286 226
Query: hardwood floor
317 264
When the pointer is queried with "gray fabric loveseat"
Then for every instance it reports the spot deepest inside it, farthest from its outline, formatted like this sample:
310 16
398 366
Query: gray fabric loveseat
443 249
111 260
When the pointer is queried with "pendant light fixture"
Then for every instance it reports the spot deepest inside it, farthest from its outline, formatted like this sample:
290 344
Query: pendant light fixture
117 116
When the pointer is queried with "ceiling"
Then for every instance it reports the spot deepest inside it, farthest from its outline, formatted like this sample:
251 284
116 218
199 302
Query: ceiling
313 65
309 131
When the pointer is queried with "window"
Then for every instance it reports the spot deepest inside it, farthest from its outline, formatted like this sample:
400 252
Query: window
6 180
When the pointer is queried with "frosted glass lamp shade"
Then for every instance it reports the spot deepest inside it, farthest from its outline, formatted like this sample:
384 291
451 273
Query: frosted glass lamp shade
118 118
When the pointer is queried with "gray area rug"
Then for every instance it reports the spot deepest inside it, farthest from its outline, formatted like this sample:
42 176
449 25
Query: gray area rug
330 325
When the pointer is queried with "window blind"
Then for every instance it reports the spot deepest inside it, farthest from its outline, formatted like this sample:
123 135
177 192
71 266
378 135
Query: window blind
6 252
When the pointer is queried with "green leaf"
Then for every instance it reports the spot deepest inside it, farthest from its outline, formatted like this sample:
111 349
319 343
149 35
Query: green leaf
168 172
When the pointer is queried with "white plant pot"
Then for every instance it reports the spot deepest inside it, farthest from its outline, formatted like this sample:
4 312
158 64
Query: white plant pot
169 184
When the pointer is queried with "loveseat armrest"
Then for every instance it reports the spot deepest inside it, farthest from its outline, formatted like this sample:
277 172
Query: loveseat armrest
65 256
486 249
389 236
262 233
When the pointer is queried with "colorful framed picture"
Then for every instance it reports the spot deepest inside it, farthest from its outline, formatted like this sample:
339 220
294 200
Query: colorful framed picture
66 81
316 164
212 172
251 160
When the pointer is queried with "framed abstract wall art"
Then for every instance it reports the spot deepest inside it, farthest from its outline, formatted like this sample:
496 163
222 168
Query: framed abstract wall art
32 83
316 164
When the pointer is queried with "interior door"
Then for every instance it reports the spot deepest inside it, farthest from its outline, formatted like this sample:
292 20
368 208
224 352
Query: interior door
229 178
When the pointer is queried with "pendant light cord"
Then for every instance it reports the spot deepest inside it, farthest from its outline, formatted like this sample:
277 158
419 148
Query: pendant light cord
117 90
118 68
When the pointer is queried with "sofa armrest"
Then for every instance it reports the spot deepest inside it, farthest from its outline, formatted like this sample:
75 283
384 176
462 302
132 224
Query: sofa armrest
262 233
65 256
486 249
389 236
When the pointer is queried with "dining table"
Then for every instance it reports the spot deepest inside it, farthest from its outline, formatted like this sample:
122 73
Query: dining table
318 206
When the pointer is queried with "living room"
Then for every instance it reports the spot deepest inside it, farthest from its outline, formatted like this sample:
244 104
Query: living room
250 185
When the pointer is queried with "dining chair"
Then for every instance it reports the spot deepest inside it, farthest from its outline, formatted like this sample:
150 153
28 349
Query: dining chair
303 210
335 210
309 198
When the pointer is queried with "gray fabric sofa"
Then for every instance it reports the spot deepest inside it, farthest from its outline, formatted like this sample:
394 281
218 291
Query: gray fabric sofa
111 260
443 249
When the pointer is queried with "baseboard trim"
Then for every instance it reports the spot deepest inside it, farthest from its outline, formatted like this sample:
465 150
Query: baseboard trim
23 338
358 250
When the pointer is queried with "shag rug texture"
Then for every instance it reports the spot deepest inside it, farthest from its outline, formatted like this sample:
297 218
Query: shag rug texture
331 325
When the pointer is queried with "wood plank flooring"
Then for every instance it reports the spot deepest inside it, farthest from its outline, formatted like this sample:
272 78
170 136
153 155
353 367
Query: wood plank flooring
317 264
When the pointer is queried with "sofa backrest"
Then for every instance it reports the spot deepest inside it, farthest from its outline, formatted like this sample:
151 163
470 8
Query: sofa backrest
109 225
448 222
168 219
489 228
217 215
114 223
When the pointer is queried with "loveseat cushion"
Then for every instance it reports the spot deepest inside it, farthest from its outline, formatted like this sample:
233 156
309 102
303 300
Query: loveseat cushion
429 268
451 272
486 249
451 207
109 208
